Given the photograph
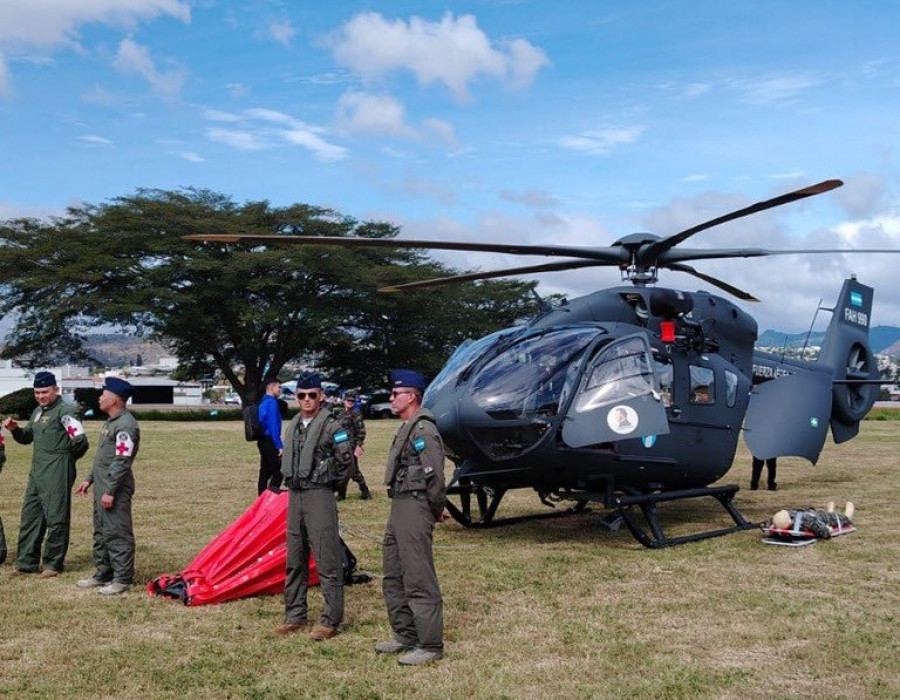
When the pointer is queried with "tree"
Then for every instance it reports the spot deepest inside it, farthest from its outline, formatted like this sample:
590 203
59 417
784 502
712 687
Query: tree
244 309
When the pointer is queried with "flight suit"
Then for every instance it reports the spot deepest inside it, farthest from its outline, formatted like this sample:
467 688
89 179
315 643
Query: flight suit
415 480
352 422
315 461
59 440
112 473
3 550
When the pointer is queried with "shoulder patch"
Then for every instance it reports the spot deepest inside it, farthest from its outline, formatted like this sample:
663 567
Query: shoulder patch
124 444
341 436
71 425
419 444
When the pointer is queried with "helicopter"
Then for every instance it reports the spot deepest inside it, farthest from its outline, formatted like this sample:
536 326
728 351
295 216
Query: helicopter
634 395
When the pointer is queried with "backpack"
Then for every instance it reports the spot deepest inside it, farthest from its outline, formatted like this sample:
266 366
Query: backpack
253 429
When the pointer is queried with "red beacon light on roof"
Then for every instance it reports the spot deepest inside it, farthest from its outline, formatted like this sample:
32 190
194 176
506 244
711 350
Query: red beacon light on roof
667 331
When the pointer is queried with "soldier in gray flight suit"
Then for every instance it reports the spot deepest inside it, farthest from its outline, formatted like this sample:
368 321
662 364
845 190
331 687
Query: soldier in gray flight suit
316 459
113 480
59 441
415 480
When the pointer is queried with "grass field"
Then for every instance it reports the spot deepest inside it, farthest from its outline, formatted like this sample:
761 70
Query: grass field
545 609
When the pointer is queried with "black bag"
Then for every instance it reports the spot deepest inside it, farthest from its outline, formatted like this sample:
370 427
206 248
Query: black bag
253 429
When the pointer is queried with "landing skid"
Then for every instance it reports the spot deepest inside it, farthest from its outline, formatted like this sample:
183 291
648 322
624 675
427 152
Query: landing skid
487 500
657 538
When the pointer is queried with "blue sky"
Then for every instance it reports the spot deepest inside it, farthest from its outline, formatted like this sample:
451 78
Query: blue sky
568 122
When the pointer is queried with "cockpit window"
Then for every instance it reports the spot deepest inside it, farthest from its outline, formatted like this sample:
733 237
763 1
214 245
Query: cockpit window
621 371
528 377
463 357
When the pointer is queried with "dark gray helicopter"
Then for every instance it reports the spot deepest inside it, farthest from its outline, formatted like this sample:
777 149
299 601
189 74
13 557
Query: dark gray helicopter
635 395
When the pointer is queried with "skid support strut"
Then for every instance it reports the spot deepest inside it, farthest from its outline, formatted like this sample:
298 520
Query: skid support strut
657 538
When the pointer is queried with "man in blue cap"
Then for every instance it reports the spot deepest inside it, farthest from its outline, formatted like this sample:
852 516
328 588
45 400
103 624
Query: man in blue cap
59 440
415 480
316 460
113 481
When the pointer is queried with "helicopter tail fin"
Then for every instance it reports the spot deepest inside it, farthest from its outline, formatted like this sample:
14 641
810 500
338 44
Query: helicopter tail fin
846 351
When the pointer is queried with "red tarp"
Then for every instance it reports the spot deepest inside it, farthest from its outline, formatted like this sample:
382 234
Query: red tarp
247 558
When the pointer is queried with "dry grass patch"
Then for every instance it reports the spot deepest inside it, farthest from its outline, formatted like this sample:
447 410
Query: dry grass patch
540 609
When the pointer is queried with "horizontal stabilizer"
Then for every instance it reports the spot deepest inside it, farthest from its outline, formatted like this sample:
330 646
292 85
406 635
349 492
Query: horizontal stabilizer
788 417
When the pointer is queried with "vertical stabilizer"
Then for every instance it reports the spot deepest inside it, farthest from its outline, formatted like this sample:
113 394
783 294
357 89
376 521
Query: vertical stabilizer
846 351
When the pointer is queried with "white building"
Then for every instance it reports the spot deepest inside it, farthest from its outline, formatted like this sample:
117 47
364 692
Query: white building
13 378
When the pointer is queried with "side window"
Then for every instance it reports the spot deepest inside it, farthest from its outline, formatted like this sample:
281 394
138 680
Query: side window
703 385
666 375
731 385
621 371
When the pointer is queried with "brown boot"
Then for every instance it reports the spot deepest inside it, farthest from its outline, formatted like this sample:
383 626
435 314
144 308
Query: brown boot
321 632
291 627
49 573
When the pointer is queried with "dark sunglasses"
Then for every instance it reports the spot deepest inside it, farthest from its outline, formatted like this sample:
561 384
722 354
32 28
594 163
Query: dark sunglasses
395 394
307 395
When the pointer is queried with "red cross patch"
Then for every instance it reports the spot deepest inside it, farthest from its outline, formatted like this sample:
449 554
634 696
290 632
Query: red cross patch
124 444
72 426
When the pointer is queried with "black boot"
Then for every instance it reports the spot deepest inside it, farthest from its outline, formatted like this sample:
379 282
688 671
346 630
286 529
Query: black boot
365 495
340 495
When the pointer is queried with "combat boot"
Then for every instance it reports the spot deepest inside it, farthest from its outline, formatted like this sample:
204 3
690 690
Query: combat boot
114 588
419 656
392 646
365 495
91 582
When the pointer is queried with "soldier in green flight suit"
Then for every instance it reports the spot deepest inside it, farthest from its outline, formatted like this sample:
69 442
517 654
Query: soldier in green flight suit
317 455
59 441
113 480
415 480
352 421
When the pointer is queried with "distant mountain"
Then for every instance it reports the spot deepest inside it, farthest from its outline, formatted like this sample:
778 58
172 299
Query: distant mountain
884 339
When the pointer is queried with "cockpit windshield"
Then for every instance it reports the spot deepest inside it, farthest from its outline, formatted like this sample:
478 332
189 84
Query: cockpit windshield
527 379
464 355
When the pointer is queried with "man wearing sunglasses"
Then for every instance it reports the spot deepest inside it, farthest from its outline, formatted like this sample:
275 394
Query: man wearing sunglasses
315 461
415 480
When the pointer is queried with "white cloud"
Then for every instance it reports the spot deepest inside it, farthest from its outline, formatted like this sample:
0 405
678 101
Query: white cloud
94 140
282 32
600 142
379 115
191 156
236 89
453 51
260 128
5 87
530 198
764 91
46 25
382 115
134 58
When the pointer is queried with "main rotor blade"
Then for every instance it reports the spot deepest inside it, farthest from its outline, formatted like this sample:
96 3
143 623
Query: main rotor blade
739 293
609 254
680 254
509 272
656 249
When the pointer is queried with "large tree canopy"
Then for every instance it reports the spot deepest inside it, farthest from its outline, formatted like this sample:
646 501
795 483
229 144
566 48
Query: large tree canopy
247 310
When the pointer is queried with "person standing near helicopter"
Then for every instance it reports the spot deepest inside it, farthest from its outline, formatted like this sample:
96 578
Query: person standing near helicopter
415 480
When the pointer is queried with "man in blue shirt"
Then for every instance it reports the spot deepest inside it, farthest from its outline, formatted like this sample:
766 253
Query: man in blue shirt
269 445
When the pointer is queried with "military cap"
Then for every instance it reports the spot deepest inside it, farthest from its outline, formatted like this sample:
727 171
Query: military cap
119 387
407 378
309 380
44 379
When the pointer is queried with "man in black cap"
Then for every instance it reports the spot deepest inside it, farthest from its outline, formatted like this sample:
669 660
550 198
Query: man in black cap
113 479
59 440
415 480
316 458
352 421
